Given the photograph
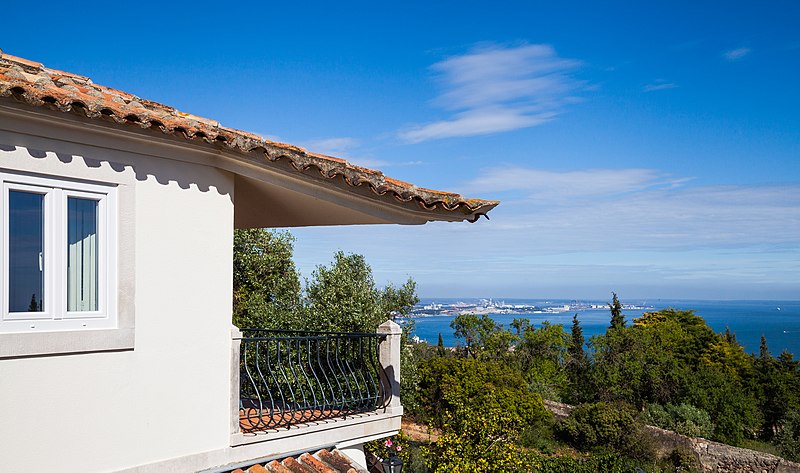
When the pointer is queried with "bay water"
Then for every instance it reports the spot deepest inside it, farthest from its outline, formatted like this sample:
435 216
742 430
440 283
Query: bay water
778 321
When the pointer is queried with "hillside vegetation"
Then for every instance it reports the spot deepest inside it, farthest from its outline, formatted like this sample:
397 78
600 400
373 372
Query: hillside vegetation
665 368
484 398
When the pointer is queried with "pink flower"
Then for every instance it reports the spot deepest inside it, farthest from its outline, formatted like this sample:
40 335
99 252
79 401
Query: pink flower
399 448
388 443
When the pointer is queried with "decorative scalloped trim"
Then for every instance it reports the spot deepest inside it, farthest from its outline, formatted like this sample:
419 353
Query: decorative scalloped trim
119 108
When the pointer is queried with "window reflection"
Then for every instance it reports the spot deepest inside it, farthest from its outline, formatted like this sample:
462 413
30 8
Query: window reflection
26 252
81 254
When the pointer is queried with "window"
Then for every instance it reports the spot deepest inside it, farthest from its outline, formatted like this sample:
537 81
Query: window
59 255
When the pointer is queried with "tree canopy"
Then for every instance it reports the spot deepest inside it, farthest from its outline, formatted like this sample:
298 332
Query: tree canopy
266 284
342 296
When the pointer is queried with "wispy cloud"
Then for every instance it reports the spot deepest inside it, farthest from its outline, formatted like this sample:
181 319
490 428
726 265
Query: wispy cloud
736 54
659 84
352 150
338 146
673 218
343 147
495 88
592 210
739 240
539 183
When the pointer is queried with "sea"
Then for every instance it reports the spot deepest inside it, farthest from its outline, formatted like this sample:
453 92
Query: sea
778 321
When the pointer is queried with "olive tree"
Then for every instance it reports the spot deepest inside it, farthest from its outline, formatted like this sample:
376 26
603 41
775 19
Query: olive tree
344 297
266 284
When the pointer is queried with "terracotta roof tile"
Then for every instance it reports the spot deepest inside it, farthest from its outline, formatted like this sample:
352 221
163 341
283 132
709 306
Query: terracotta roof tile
316 464
336 460
257 469
277 467
32 83
296 466
323 461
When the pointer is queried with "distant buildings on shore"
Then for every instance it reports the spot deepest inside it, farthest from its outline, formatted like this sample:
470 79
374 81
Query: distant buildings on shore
492 306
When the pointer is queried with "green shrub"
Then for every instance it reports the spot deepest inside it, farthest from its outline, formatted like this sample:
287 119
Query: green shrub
481 408
477 439
684 459
539 436
403 447
604 426
691 421
657 415
411 356
684 419
601 463
447 383
788 438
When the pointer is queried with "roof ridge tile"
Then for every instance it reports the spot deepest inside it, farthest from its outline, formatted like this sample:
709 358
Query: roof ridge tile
295 466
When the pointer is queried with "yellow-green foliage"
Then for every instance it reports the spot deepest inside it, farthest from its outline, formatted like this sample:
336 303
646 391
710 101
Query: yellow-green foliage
481 408
478 439
729 358
448 383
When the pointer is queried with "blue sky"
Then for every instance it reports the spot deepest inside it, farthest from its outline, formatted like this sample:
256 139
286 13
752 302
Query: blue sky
649 149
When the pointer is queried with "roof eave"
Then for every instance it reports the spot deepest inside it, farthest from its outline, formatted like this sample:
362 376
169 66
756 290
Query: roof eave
32 84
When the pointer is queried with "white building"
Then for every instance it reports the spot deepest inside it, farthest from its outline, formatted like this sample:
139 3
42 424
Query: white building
116 345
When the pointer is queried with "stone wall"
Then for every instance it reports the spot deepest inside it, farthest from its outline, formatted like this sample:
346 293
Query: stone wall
559 410
713 456
718 457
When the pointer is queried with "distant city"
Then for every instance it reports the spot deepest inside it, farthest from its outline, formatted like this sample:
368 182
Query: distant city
494 306
778 321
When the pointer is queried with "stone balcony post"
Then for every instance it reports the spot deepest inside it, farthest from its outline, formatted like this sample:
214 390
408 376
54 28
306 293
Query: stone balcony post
390 362
236 345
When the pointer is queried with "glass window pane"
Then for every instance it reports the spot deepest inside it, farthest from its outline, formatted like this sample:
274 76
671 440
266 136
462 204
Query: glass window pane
82 278
25 252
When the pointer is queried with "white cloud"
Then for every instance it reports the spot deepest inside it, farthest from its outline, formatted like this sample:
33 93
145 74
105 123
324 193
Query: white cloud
736 54
351 149
537 183
602 211
659 84
338 146
493 89
477 122
666 239
655 218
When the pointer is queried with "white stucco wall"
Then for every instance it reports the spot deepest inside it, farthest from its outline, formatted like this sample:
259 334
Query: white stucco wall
170 396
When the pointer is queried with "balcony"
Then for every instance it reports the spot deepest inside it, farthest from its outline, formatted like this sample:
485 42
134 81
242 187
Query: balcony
293 377
299 390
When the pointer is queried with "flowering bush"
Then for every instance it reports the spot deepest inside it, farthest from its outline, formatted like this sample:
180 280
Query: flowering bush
397 446
392 448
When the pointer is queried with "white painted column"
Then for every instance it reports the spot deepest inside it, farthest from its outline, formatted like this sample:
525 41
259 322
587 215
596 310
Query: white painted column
236 344
390 362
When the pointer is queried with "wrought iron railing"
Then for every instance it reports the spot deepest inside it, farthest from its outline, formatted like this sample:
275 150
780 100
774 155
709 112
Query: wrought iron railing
290 377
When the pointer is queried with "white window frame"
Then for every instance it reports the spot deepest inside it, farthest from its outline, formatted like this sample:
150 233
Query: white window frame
55 316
